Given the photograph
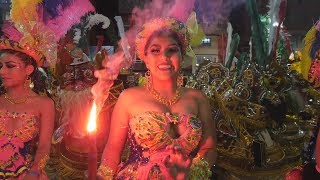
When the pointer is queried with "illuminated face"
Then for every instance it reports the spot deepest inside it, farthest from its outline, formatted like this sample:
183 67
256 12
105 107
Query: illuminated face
13 72
163 57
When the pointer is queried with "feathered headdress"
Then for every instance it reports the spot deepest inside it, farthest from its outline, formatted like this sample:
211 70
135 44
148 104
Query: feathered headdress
161 23
36 26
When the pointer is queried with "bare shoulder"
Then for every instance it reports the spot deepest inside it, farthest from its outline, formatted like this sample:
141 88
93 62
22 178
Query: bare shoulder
132 92
44 101
197 94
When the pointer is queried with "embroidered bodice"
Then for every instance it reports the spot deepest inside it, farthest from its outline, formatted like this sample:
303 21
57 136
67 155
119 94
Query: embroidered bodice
17 147
149 136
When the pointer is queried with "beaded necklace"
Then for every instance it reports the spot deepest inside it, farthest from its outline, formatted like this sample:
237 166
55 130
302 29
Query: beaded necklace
16 101
163 100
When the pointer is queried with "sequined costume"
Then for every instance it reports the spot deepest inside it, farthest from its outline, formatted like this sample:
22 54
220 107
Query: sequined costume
17 147
149 136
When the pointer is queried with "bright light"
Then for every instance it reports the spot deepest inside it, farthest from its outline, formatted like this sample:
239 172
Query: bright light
275 24
92 124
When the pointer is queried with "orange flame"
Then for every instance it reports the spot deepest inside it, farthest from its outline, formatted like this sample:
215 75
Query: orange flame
92 124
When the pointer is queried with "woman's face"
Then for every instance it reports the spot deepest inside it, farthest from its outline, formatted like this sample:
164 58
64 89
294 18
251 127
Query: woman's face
13 72
163 57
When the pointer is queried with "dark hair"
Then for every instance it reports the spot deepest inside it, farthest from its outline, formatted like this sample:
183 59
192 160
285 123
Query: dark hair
38 79
163 32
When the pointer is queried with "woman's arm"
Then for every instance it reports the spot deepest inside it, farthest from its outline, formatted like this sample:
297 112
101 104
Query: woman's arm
47 115
207 148
117 136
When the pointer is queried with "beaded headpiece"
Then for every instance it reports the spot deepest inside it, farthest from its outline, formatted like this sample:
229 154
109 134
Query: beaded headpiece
11 45
158 24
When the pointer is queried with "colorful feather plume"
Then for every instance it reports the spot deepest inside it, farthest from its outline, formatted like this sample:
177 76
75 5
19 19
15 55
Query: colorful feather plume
39 25
69 16
315 46
306 58
24 10
53 8
11 32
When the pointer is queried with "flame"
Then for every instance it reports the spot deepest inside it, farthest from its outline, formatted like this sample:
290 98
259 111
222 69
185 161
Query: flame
92 124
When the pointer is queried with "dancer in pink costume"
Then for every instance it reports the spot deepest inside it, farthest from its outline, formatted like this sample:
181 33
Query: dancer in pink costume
168 127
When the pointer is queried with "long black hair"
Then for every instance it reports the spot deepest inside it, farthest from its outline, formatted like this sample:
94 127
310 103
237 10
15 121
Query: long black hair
37 77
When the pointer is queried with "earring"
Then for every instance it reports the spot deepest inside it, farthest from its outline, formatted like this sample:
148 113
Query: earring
28 83
148 78
180 80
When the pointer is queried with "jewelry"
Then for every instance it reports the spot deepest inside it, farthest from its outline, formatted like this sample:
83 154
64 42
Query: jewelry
148 78
156 94
105 172
28 83
17 101
180 80
163 100
200 168
43 161
172 119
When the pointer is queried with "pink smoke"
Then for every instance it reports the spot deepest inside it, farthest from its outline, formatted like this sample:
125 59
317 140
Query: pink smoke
213 14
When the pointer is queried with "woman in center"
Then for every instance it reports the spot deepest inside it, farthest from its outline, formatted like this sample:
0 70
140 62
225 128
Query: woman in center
169 128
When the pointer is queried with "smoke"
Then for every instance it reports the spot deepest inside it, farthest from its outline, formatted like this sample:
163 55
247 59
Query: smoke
212 14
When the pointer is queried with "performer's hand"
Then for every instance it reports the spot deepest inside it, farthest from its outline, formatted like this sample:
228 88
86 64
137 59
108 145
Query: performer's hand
177 162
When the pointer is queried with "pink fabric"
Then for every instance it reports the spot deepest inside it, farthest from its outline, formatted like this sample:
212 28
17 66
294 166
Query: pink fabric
9 150
15 158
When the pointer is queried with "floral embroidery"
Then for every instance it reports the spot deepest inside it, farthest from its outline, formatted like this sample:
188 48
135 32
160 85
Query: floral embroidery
148 138
16 147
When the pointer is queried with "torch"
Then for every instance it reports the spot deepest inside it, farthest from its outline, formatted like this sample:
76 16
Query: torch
92 153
